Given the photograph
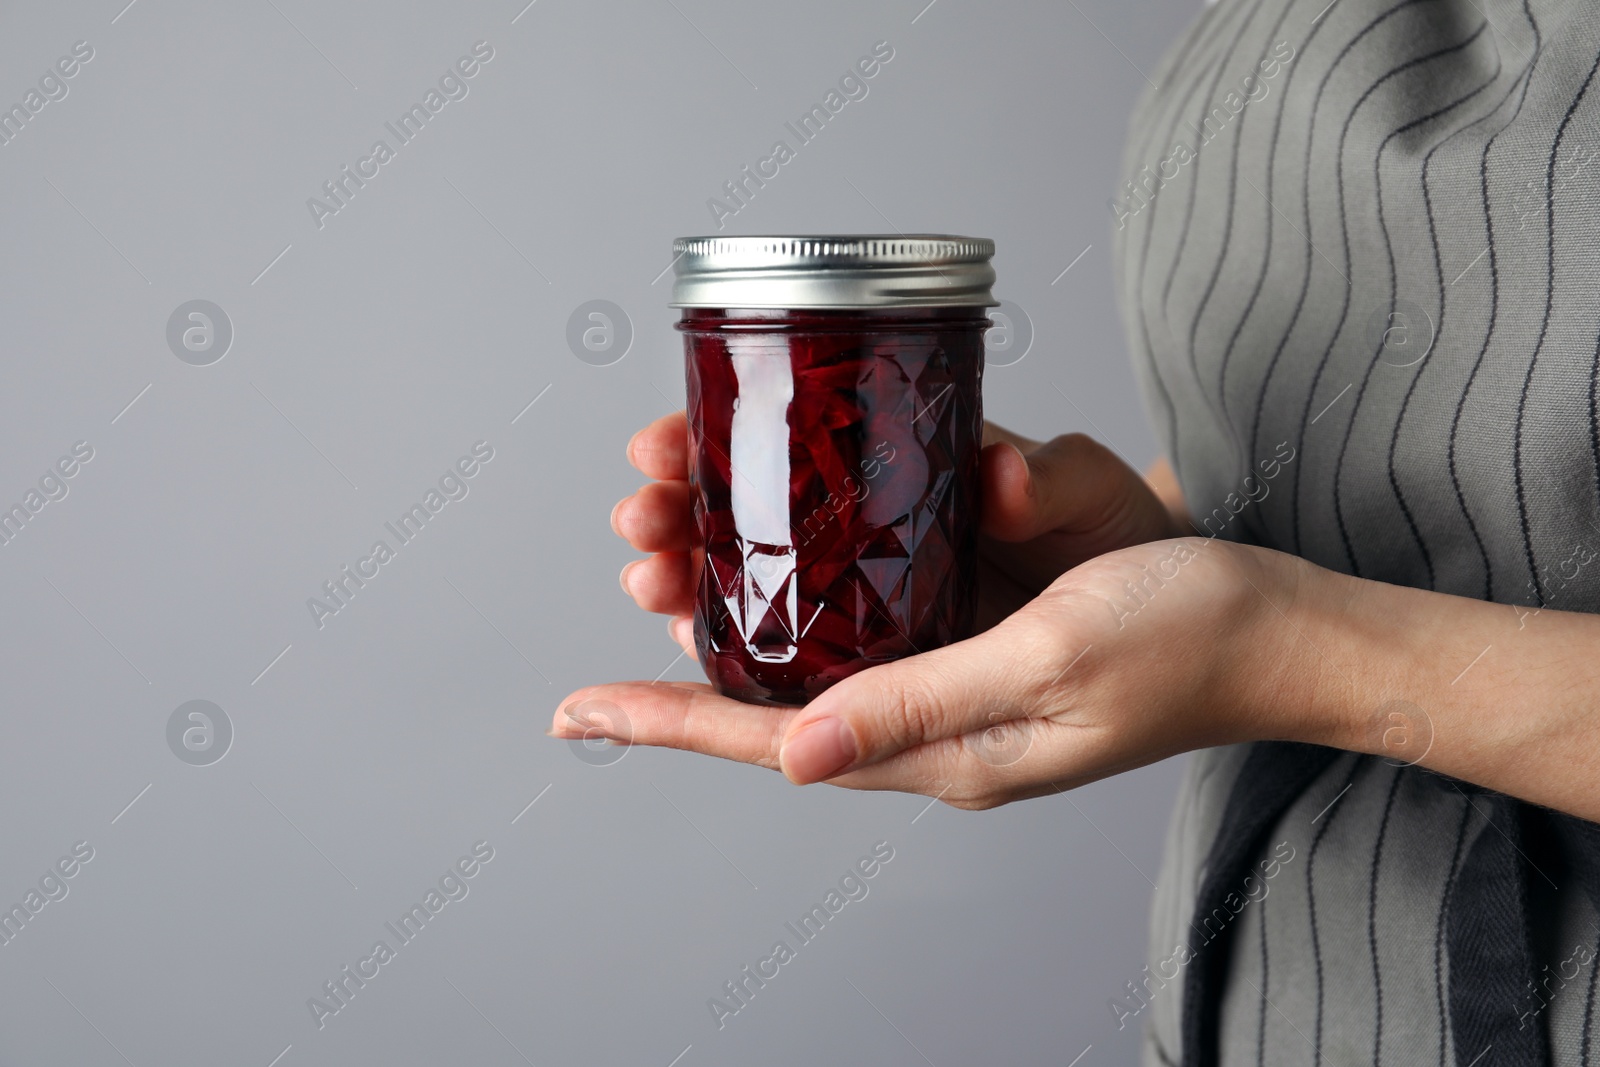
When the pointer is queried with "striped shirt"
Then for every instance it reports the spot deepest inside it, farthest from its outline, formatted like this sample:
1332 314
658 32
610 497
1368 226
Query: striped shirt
1359 247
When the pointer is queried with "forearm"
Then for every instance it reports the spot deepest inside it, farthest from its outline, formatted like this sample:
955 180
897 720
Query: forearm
1503 697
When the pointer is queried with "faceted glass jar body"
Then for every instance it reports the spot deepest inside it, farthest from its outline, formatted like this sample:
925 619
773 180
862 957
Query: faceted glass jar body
834 460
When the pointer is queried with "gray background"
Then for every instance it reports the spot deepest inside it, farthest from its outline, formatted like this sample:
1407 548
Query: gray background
422 318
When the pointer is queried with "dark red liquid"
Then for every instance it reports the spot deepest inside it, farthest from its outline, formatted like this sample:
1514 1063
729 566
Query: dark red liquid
834 456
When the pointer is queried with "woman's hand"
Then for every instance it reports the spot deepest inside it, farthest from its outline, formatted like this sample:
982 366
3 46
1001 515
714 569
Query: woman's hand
1083 669
1114 644
1127 659
1048 508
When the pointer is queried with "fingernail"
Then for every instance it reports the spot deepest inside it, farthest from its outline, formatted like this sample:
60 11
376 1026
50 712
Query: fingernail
820 750
577 718
622 579
1027 468
683 631
613 520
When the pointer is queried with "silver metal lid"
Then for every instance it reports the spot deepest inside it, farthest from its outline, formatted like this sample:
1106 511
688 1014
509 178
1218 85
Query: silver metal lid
833 271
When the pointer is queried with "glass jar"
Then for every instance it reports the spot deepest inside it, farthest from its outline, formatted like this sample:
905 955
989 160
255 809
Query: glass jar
835 420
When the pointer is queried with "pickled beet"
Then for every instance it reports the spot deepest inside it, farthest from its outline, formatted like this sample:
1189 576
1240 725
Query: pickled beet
834 457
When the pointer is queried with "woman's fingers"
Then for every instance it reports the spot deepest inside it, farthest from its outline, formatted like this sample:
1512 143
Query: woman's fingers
994 433
986 768
1071 484
884 711
681 629
658 518
968 687
1067 501
661 449
674 715
964 724
960 771
664 583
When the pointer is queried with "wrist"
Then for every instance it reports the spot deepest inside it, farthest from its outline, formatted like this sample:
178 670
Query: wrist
1322 658
1482 692
1375 666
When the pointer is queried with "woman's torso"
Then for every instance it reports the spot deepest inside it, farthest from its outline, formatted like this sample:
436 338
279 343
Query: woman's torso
1359 262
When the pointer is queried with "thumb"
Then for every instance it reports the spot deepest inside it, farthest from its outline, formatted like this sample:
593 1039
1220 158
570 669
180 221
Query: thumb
950 691
1072 484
